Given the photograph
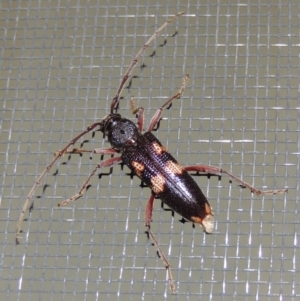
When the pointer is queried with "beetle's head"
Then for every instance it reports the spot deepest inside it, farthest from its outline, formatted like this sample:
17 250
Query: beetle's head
119 131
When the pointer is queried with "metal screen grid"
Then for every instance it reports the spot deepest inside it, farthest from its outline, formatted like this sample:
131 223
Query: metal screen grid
61 65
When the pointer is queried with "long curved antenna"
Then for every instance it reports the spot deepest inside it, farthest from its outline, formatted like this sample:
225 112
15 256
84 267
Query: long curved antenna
116 99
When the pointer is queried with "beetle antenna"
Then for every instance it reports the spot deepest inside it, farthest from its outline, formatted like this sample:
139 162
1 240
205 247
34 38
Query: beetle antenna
116 99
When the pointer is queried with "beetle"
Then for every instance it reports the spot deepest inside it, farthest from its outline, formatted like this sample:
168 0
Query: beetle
150 161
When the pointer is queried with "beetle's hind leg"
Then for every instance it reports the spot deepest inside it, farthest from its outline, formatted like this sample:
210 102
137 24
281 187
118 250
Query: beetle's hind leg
219 171
148 217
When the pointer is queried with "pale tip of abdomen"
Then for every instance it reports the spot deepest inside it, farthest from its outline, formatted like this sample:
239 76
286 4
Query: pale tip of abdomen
208 223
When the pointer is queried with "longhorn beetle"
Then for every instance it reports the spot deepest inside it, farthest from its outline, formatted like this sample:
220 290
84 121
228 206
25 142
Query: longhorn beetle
150 161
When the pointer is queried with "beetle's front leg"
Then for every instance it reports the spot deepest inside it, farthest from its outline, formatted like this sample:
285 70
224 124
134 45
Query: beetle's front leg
148 216
139 111
219 171
156 117
106 163
103 151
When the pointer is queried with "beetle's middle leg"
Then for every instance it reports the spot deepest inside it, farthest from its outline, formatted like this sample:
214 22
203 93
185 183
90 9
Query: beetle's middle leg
102 151
106 163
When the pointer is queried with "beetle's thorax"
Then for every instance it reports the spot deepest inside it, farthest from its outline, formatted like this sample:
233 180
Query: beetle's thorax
120 131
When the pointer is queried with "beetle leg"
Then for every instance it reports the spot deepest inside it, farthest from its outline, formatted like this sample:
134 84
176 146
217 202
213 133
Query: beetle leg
106 163
218 171
140 114
148 216
156 117
103 151
149 210
58 154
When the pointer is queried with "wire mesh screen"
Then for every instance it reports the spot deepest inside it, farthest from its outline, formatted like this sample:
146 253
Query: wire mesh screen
61 63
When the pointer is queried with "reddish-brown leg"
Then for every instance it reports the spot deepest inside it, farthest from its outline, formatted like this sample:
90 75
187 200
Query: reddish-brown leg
106 163
219 171
148 217
156 117
140 114
104 151
149 210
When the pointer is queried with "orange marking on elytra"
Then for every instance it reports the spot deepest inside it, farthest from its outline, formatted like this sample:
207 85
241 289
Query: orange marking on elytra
174 167
138 168
159 149
158 183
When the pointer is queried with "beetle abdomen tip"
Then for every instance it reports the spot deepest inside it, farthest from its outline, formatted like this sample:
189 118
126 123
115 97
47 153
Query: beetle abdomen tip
208 223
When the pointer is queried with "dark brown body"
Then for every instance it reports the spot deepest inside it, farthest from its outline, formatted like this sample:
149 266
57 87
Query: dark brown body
168 180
